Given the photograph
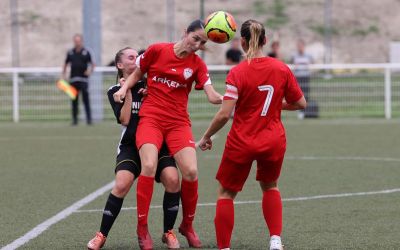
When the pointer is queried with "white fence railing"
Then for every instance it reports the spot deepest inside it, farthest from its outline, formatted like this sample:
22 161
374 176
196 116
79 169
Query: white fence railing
338 90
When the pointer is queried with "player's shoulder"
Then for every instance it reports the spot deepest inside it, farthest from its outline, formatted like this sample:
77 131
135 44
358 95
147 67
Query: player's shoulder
111 90
70 52
159 46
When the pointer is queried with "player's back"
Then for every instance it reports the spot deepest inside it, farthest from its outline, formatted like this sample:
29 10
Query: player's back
261 86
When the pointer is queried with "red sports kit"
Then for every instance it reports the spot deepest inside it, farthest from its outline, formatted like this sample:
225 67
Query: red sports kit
257 132
164 113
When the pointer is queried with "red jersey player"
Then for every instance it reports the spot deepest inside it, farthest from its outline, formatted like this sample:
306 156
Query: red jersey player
260 87
171 69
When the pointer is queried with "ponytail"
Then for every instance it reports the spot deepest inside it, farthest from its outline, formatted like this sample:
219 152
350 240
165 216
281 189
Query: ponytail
254 34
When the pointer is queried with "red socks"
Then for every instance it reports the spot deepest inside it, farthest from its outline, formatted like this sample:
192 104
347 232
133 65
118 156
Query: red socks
189 196
144 193
224 220
272 210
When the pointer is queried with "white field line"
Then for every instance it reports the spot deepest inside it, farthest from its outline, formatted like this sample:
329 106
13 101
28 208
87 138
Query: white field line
59 137
319 158
39 229
301 198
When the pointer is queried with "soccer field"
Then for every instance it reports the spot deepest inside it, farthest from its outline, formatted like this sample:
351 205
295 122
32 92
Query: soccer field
340 184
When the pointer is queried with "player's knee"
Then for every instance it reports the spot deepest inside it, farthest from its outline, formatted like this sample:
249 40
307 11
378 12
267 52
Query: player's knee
149 168
122 187
171 183
265 186
190 174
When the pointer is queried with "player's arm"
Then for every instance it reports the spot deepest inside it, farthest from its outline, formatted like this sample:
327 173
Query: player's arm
126 110
129 83
212 95
298 105
219 121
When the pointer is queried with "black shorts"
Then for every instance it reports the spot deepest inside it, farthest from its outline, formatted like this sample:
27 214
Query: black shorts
129 159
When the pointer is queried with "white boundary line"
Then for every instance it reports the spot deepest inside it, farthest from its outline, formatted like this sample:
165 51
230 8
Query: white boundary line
318 158
342 158
39 229
303 198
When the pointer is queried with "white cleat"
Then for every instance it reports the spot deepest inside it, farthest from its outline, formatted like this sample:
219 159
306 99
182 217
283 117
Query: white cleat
275 243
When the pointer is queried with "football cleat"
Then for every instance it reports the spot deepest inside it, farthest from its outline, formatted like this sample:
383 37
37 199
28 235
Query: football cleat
191 236
97 242
275 243
169 238
144 238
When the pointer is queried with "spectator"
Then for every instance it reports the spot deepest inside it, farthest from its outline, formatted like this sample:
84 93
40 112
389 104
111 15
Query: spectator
275 51
301 60
234 54
82 66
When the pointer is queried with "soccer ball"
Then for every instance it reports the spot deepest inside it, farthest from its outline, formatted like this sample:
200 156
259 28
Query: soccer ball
220 27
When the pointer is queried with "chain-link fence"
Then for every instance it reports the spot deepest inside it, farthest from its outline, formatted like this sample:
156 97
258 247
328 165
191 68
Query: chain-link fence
335 91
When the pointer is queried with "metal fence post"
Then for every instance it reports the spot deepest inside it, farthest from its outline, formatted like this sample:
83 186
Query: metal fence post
388 93
15 96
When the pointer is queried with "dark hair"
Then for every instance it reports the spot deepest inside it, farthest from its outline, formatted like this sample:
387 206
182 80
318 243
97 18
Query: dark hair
254 34
117 59
195 25
141 51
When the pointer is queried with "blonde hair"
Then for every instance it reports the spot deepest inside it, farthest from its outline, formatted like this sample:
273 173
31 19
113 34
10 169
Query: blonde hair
254 34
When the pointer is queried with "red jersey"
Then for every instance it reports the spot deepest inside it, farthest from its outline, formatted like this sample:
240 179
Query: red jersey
169 82
259 88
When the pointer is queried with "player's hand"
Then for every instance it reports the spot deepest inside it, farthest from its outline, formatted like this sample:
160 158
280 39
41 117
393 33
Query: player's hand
143 91
121 81
119 96
205 143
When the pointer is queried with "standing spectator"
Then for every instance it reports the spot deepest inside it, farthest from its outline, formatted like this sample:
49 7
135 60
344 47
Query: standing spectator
301 60
234 54
82 66
275 51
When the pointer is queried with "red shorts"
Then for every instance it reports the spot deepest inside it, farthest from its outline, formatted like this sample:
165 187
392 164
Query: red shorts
236 164
176 136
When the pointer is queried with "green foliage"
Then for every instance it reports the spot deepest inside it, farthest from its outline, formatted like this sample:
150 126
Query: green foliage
372 29
320 30
279 17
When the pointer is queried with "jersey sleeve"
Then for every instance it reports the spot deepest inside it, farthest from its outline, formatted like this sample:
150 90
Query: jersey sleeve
231 91
293 91
202 77
89 57
115 105
147 58
68 58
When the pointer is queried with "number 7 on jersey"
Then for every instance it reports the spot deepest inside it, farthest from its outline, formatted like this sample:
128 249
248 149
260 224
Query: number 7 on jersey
270 93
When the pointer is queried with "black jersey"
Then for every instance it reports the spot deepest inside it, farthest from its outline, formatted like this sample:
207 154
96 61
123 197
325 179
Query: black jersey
128 137
79 63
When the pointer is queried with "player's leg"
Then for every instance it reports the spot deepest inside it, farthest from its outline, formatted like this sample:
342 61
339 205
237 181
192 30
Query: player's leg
168 175
268 171
232 174
224 217
187 163
182 146
126 170
148 140
86 102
